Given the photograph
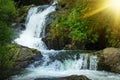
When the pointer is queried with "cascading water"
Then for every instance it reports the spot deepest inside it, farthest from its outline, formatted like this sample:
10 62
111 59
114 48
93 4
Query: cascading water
55 63
35 27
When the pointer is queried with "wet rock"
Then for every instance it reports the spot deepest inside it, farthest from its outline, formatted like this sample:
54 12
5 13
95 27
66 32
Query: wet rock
18 27
51 17
72 77
109 60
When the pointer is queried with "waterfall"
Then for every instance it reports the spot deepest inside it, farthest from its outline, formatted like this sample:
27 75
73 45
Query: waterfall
35 31
35 27
54 63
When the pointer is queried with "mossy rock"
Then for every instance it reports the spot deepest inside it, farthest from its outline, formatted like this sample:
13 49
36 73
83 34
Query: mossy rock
22 56
25 57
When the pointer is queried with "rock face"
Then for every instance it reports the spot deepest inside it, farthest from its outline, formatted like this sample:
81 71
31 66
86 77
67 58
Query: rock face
73 77
110 60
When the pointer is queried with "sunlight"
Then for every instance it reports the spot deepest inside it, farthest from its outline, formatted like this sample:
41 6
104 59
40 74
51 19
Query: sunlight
94 12
114 5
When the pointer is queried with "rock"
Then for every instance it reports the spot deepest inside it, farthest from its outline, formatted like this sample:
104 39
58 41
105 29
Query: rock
26 56
51 17
18 27
72 77
109 60
18 58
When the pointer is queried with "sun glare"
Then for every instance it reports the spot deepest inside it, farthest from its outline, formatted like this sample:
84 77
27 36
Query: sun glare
115 5
112 5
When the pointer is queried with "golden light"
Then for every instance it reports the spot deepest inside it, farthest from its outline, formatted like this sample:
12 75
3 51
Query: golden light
112 5
115 5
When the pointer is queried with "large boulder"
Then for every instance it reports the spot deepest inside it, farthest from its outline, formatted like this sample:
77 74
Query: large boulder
109 59
18 58
25 56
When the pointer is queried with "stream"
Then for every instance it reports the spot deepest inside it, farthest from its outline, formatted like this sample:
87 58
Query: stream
55 63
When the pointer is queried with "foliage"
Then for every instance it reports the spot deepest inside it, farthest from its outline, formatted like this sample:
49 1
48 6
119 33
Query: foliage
8 55
75 21
7 10
7 14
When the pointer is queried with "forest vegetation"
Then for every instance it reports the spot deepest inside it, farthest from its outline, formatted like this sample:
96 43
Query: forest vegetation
87 22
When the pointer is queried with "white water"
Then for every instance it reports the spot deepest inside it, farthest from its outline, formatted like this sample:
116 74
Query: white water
55 63
35 28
